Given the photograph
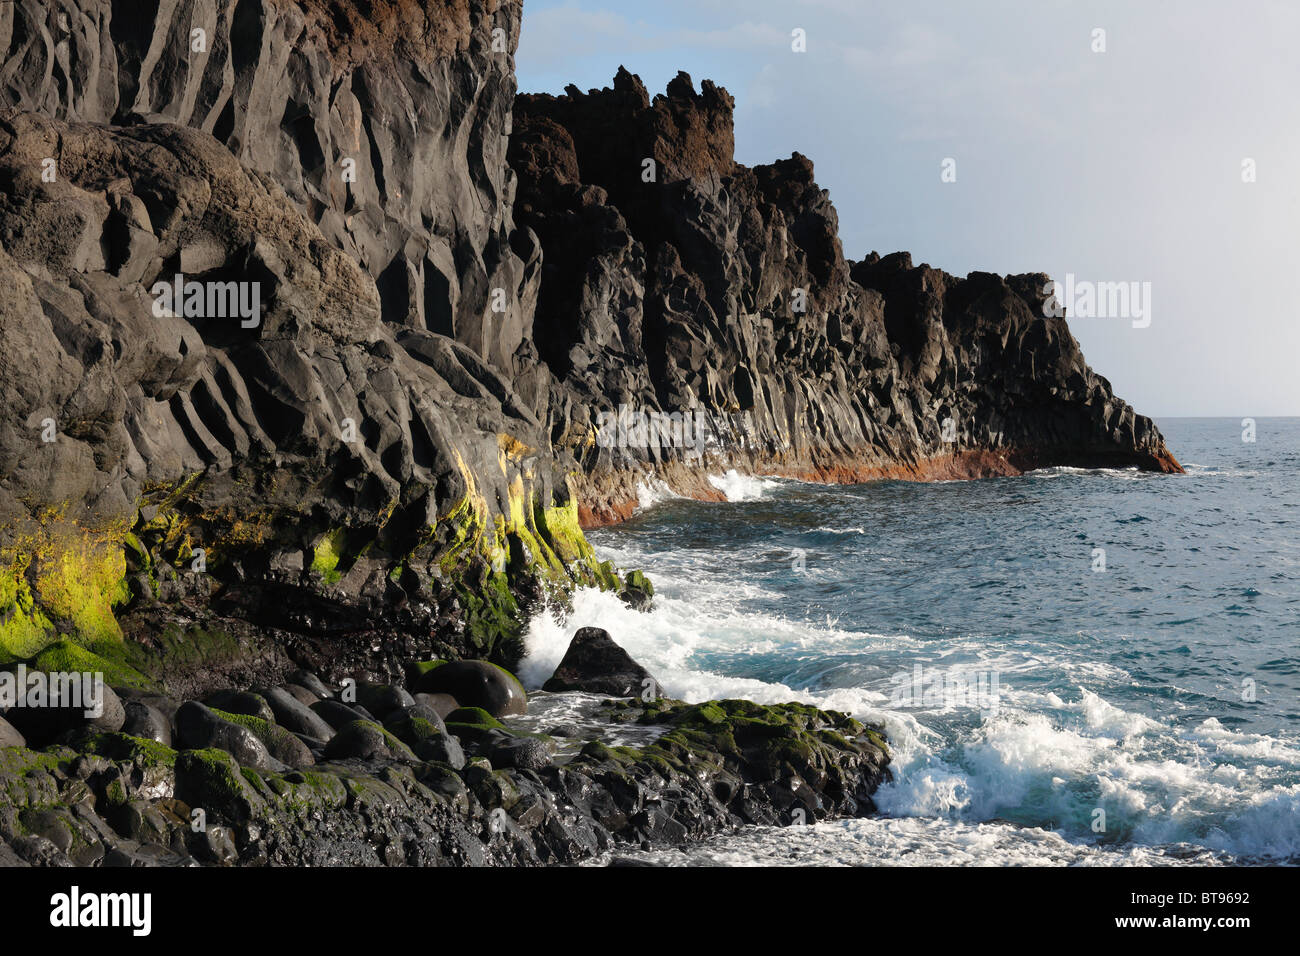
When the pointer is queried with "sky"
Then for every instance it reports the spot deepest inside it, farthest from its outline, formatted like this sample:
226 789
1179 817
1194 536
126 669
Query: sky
1123 164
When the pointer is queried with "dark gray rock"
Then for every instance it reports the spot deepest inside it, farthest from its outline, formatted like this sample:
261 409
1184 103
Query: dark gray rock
444 748
147 722
293 715
477 684
363 740
595 663
9 737
523 753
313 683
301 694
241 702
383 698
442 704
336 713
197 727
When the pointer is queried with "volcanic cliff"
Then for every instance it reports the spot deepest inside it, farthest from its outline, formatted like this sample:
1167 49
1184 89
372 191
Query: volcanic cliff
456 284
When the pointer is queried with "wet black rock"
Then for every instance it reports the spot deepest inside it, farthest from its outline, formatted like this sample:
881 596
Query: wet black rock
523 753
296 716
301 694
336 713
146 722
241 702
383 698
477 684
312 683
595 663
363 740
197 727
443 748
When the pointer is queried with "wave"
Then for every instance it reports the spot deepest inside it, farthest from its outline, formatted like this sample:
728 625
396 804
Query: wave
653 491
738 487
1062 471
1047 758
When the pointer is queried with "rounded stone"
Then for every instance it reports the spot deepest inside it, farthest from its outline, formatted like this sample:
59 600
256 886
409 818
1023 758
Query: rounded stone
477 684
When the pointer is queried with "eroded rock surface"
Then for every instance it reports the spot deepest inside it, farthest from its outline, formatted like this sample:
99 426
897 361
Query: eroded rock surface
718 287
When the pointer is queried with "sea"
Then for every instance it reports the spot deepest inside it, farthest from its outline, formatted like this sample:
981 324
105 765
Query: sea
1072 666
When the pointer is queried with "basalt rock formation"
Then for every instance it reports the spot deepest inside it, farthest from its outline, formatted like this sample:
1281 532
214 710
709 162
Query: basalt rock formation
313 330
359 474
674 278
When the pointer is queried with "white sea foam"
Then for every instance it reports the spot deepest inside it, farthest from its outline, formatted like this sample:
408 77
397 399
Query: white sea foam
1061 471
1045 755
653 491
914 842
738 487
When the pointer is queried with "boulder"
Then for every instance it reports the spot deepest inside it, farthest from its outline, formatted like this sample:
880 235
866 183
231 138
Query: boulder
63 710
301 694
442 704
383 698
523 753
294 715
241 702
363 740
147 722
443 748
477 684
313 683
198 728
336 713
596 664
9 737
284 745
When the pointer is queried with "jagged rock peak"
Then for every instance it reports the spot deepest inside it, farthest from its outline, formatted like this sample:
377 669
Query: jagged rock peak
689 135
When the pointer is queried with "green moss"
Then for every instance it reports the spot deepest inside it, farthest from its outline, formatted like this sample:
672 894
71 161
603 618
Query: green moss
710 714
21 760
413 731
493 619
327 554
65 656
877 738
24 628
57 577
272 735
763 741
420 668
391 741
212 780
474 717
190 650
142 752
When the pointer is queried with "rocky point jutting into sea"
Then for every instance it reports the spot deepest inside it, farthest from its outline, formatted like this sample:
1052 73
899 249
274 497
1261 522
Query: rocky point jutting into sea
371 438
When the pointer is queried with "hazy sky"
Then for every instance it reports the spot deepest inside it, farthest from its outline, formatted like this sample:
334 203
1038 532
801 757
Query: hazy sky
1117 166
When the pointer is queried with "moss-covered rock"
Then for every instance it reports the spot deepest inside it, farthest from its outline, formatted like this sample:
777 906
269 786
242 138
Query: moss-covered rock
212 781
364 740
281 744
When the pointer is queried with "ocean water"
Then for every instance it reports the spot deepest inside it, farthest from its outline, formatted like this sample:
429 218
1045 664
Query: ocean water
1072 666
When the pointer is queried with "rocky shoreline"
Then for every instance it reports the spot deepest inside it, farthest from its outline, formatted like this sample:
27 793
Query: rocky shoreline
306 774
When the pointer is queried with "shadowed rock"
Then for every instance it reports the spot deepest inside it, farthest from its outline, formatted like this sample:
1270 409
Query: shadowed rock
595 663
477 684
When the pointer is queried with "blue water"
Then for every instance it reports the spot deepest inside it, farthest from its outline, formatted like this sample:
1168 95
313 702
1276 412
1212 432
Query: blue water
1147 705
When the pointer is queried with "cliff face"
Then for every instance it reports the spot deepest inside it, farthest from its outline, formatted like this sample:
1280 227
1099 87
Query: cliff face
393 445
724 288
363 462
